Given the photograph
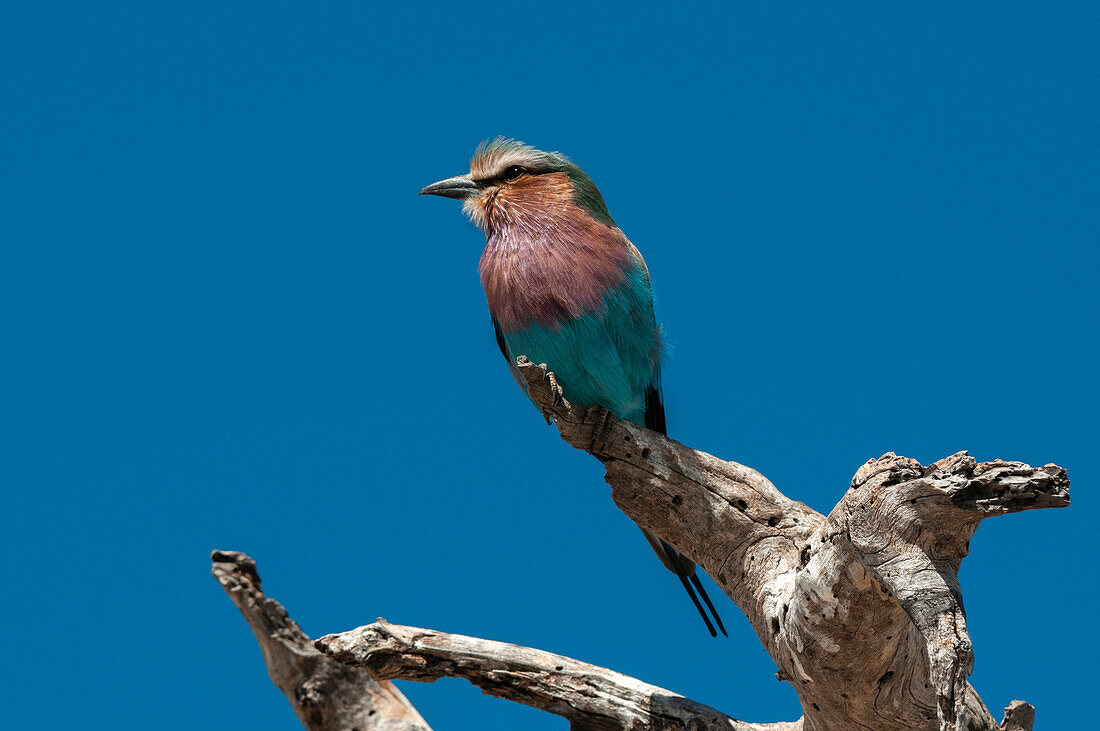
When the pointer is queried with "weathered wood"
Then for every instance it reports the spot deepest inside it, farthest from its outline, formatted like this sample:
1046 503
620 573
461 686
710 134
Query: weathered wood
325 694
591 697
1019 716
861 609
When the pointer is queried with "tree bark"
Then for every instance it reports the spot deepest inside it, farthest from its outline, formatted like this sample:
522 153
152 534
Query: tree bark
860 609
325 694
1019 716
589 696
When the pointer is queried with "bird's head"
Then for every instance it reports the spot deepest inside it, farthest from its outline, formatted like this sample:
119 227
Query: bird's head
511 183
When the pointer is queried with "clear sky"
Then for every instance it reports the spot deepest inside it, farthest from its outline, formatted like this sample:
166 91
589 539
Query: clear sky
229 322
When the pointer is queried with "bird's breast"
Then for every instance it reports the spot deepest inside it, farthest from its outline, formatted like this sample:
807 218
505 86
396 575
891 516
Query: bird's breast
547 271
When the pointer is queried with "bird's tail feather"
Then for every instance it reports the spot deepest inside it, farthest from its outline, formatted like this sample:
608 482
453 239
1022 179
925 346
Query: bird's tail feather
703 593
698 606
684 568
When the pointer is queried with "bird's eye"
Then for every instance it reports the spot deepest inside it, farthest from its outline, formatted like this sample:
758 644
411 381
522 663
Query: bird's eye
514 172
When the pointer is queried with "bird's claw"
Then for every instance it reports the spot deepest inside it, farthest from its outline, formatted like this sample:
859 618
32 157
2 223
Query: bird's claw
557 395
601 429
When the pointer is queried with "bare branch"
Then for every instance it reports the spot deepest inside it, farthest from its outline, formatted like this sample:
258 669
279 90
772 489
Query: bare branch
911 527
1019 716
722 514
325 694
862 610
589 696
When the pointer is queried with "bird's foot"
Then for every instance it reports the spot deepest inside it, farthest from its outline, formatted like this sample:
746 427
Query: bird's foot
557 396
601 429
556 391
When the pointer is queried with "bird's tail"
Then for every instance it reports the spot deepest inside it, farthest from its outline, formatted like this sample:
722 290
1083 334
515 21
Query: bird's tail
684 568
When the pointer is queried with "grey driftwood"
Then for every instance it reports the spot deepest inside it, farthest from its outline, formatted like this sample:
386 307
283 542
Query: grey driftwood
860 609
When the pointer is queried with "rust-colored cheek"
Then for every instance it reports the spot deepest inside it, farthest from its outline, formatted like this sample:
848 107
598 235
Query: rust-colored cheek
529 194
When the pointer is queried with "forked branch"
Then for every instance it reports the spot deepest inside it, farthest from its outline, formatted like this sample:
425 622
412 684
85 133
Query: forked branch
860 609
325 694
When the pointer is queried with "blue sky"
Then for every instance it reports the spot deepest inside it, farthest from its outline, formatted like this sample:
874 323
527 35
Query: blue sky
229 322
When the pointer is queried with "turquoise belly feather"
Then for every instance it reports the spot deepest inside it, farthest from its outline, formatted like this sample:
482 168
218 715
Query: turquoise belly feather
607 357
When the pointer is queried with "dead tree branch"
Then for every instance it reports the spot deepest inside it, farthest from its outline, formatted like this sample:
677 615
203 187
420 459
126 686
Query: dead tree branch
860 609
1019 716
589 696
325 694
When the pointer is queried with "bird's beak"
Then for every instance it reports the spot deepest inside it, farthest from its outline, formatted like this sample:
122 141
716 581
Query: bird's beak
459 187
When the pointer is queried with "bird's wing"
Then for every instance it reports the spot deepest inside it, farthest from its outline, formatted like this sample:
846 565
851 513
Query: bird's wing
507 353
655 404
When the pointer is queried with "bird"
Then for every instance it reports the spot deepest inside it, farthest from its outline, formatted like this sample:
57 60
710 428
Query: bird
567 288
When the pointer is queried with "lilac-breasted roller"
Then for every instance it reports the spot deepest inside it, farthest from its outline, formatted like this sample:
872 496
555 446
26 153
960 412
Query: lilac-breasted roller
565 287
